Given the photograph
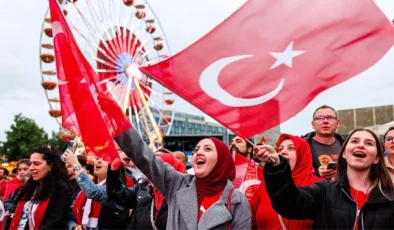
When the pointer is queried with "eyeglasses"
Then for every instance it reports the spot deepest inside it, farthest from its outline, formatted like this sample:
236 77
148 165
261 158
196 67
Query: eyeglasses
389 139
126 160
323 118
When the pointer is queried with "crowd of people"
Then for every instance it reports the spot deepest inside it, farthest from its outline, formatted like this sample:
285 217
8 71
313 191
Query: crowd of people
321 180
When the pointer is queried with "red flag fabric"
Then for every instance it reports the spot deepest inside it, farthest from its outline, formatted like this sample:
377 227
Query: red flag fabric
76 80
268 60
241 166
248 176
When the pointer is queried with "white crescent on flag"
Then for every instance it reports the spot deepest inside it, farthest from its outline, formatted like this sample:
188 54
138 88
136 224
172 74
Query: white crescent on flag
57 28
217 11
246 184
209 83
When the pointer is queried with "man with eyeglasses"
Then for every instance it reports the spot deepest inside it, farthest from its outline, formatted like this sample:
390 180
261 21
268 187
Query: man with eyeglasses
324 142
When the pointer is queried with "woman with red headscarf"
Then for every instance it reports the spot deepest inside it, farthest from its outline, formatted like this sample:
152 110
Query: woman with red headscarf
297 151
149 206
203 201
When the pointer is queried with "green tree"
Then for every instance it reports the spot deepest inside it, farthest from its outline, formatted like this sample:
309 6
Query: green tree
23 136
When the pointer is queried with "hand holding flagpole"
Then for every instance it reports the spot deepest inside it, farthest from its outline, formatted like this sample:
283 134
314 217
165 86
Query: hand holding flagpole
266 153
255 147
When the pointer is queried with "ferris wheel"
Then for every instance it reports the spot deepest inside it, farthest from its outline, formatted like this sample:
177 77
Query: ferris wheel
115 35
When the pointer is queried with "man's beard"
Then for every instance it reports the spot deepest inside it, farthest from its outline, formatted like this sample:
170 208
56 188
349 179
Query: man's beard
234 148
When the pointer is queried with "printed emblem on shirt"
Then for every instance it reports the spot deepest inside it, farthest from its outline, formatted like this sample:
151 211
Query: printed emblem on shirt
325 158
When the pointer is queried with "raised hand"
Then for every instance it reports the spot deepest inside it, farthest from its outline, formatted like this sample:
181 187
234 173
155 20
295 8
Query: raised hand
327 174
116 164
266 153
70 158
120 122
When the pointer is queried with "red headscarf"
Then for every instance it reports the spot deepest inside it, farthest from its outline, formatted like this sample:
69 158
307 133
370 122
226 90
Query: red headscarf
303 173
178 166
224 170
263 215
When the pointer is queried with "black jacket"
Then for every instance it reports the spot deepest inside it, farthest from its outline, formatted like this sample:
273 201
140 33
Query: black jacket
139 198
315 157
75 188
9 205
112 219
55 216
56 213
329 205
109 218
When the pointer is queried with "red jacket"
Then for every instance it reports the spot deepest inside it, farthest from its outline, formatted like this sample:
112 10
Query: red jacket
3 185
12 185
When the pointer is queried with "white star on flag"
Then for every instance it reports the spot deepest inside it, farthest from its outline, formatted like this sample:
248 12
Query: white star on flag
286 57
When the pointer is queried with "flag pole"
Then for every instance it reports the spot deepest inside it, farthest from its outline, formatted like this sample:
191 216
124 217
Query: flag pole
142 96
126 101
252 144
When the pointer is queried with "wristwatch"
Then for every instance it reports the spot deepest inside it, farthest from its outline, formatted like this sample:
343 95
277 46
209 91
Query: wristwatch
77 167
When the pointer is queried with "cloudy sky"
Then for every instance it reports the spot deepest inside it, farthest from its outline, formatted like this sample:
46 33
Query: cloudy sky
21 92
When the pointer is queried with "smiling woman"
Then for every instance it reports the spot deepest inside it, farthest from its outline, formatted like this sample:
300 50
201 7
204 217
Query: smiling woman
204 201
193 200
47 192
363 196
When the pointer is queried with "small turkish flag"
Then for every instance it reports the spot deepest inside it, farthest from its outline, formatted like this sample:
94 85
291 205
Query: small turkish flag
268 60
262 140
248 175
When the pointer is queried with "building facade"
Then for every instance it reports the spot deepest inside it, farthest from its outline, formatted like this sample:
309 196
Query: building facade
184 124
364 118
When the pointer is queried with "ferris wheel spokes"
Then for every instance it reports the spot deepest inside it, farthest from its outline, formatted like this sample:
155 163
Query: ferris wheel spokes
111 36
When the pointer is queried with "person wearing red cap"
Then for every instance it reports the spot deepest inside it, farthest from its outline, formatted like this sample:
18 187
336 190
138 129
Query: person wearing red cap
206 200
297 151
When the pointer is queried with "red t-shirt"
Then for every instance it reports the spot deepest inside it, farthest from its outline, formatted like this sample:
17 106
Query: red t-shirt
208 202
360 198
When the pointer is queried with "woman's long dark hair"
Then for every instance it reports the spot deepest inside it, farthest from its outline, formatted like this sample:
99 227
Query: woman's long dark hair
37 191
378 174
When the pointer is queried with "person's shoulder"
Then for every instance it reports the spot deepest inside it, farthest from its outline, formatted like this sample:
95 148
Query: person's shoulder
340 137
62 186
239 199
308 136
237 193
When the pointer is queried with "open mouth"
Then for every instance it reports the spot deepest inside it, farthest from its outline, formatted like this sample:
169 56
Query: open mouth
200 161
359 154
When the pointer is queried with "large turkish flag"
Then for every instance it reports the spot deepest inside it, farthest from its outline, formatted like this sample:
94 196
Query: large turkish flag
268 60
